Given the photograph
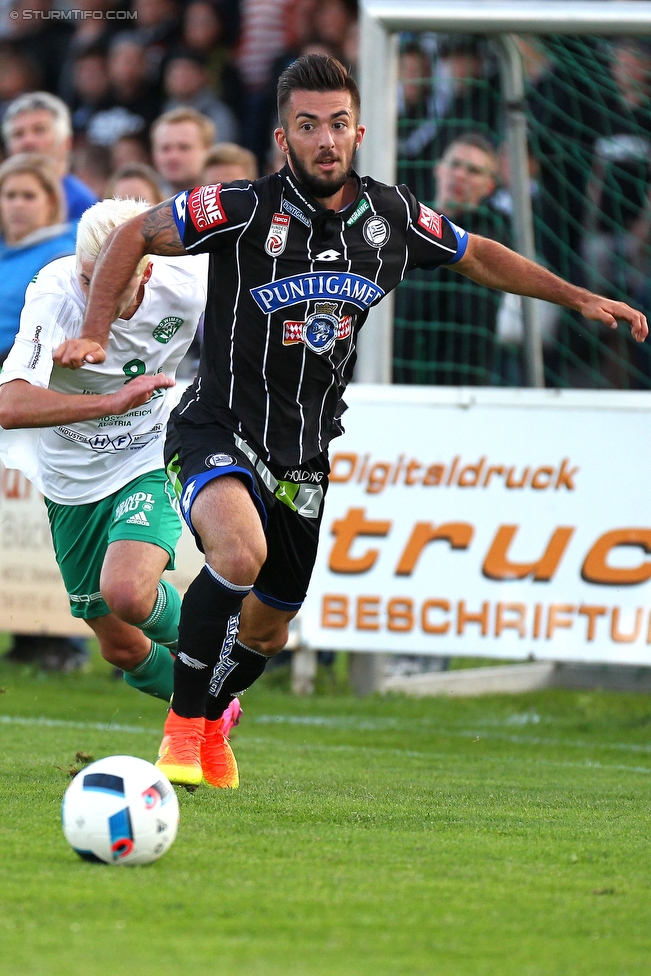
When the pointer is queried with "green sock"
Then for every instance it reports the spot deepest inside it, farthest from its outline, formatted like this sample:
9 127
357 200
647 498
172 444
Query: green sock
155 675
162 624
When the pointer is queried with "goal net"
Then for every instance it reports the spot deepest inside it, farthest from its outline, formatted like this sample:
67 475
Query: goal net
588 112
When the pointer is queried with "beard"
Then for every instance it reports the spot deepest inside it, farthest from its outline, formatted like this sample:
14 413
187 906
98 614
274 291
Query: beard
321 187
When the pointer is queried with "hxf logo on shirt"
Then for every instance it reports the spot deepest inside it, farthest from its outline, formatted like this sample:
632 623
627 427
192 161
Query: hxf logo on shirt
204 205
431 221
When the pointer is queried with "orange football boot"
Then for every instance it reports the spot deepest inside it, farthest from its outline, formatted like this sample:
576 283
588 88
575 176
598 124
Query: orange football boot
179 756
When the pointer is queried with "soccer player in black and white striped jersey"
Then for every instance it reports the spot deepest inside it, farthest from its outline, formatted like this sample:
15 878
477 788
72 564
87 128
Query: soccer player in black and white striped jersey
296 260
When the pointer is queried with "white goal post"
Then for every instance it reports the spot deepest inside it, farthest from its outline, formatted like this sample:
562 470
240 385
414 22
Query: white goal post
381 21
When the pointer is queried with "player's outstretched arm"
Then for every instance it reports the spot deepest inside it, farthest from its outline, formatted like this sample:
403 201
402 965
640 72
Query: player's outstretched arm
25 405
152 232
491 264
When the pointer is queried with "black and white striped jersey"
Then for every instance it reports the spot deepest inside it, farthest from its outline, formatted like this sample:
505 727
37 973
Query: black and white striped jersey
289 287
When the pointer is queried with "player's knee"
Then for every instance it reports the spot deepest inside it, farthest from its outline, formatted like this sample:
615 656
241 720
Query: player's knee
127 601
269 641
239 565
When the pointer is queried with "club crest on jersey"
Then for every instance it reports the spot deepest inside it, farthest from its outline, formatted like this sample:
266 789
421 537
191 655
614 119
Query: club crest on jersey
376 231
430 221
277 236
320 330
205 207
167 329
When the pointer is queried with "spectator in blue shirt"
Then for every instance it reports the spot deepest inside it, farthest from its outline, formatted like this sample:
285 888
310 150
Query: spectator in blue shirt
32 233
39 122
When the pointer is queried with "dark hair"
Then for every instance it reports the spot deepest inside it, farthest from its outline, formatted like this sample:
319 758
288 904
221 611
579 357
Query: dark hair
317 73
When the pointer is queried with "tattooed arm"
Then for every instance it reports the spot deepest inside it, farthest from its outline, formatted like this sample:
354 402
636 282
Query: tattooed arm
152 232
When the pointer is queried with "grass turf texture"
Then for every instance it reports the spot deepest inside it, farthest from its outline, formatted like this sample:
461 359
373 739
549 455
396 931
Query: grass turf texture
503 835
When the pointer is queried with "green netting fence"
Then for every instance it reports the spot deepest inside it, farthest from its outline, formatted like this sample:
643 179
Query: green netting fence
588 107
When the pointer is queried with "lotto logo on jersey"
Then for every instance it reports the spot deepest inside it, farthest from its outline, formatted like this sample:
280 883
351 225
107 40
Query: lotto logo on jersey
205 207
277 236
431 221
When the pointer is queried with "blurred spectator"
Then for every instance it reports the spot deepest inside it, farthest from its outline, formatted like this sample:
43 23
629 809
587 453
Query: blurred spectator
34 232
41 40
129 149
446 329
415 109
18 75
90 87
466 98
40 122
92 164
618 220
134 102
264 37
204 32
158 30
332 21
186 83
227 162
136 181
180 140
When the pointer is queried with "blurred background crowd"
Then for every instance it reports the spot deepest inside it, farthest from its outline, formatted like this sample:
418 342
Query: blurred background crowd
149 97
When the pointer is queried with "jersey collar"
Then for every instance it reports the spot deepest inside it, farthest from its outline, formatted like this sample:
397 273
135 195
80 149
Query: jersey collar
297 196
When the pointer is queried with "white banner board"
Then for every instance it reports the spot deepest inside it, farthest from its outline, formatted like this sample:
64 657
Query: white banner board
33 599
502 523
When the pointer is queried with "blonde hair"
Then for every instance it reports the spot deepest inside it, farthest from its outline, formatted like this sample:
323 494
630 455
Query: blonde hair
230 154
176 115
38 166
98 221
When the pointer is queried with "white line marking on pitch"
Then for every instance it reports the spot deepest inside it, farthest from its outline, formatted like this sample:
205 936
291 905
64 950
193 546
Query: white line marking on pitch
63 724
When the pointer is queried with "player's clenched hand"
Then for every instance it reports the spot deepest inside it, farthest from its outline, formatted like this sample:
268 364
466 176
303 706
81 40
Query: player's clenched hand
138 391
603 310
74 353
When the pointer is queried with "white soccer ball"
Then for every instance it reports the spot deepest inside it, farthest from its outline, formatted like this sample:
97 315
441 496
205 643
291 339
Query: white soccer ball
120 810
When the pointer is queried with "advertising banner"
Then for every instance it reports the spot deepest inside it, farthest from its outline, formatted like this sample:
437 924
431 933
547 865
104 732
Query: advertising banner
503 523
33 599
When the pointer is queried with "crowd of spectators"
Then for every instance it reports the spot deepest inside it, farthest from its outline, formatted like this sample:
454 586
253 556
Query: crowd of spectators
588 106
158 84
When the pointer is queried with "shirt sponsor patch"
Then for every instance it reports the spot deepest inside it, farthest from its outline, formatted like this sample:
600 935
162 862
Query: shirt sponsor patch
295 212
338 286
277 236
205 207
357 213
431 221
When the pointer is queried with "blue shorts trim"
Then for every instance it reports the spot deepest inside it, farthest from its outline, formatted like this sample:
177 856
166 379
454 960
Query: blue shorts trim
271 601
193 486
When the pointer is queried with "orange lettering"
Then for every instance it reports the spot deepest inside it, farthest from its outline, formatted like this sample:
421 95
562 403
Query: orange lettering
346 530
368 610
616 633
458 534
334 610
429 628
518 624
592 613
595 569
539 481
497 566
480 618
400 612
338 476
554 621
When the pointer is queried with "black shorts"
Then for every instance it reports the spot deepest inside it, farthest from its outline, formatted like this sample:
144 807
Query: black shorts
289 500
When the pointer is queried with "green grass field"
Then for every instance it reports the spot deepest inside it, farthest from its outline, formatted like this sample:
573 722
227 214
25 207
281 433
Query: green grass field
504 835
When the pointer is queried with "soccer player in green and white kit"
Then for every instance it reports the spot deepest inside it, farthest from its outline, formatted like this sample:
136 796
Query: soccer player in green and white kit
99 450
